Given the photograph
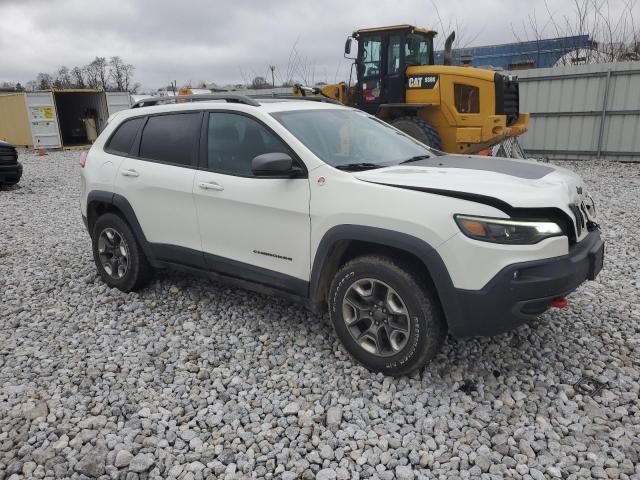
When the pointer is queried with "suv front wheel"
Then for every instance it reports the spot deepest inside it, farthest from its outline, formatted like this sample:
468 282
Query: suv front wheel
118 256
384 316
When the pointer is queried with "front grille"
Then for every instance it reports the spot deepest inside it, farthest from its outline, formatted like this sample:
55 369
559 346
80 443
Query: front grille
507 97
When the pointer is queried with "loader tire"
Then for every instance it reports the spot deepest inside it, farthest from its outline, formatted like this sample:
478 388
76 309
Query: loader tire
420 130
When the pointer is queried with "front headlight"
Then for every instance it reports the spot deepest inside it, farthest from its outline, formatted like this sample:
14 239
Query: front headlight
506 230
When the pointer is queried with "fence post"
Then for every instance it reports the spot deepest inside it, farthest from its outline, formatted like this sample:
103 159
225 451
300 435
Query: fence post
603 116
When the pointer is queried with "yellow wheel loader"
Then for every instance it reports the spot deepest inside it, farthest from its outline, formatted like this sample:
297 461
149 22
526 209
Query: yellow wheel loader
451 108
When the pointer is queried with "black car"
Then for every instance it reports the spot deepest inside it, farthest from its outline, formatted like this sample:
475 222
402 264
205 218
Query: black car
10 168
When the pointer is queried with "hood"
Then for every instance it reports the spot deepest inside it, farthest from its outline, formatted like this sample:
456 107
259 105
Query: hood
493 180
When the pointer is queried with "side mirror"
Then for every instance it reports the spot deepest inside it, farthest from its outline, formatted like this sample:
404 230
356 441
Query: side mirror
347 48
272 165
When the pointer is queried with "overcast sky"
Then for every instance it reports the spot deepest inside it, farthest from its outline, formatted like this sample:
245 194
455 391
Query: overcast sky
232 41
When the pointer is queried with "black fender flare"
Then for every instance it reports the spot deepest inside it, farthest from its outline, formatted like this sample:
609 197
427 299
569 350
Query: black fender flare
445 290
121 204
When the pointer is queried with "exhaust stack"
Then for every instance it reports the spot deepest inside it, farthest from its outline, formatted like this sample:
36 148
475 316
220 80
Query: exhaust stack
447 48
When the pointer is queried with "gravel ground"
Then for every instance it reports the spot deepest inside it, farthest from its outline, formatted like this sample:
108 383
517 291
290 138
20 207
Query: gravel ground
192 379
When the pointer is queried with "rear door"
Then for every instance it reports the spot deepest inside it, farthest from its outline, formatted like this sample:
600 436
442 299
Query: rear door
157 180
43 120
253 228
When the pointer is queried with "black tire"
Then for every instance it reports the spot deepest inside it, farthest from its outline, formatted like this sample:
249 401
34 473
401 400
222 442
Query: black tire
425 327
420 130
138 271
8 159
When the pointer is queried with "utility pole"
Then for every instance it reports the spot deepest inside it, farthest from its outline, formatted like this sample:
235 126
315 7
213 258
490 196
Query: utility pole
273 78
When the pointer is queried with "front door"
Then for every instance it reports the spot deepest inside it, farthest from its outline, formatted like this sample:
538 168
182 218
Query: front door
252 228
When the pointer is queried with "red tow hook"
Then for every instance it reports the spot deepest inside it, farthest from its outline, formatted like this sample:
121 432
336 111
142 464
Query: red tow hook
559 302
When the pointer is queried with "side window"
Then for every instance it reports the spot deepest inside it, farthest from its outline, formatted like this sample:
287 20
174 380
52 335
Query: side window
121 141
171 138
393 55
371 56
235 140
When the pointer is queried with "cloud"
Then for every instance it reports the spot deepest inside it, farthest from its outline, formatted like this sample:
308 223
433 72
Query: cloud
228 41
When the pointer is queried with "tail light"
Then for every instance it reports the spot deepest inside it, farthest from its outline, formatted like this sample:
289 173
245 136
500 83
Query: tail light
83 159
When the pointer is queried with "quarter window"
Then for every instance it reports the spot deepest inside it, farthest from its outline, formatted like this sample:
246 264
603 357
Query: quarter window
171 138
235 140
122 140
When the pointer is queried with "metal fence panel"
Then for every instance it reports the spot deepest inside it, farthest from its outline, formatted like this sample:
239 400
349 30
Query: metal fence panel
582 112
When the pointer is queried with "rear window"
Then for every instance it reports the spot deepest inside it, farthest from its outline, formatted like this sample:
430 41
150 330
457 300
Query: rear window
171 138
121 141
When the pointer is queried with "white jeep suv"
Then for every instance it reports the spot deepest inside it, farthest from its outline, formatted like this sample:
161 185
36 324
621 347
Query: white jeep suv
336 209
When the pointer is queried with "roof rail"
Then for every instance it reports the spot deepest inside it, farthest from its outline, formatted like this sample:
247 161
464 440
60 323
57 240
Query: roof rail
295 97
231 98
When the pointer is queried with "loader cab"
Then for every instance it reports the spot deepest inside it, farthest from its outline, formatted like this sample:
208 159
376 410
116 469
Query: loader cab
383 56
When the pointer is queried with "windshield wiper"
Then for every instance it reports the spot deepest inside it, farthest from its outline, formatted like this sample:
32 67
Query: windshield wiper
358 166
415 159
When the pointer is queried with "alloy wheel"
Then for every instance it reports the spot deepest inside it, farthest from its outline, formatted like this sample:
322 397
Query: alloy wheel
113 252
376 317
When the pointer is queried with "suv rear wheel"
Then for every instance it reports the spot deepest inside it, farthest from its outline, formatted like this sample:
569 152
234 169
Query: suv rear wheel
118 256
384 316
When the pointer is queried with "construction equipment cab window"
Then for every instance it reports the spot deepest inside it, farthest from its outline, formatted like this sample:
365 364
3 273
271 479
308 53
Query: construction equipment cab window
467 98
371 56
417 50
383 57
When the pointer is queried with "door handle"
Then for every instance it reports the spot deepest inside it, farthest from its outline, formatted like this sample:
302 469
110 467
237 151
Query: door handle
130 173
211 186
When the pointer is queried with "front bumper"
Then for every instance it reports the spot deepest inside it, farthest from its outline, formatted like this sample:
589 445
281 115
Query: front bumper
10 174
522 291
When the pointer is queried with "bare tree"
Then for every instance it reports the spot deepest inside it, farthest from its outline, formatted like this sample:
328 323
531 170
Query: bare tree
44 81
63 78
92 74
299 68
121 73
260 82
615 36
77 75
452 24
97 73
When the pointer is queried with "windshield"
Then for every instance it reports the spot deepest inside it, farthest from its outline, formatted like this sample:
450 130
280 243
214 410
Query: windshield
350 137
